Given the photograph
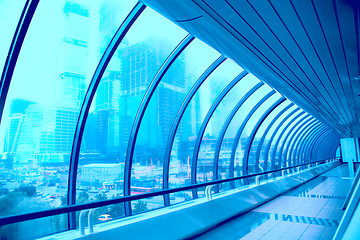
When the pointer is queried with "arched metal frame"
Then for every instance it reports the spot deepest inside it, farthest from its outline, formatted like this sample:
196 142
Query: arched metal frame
273 155
140 114
79 130
205 123
178 118
314 142
311 141
14 50
303 120
295 150
239 133
331 142
267 148
294 139
226 125
319 144
291 135
308 141
259 147
314 138
254 131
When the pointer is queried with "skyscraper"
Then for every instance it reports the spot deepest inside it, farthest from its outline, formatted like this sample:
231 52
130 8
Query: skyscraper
138 68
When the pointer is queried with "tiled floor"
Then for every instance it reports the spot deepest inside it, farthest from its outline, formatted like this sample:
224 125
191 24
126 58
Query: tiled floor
311 211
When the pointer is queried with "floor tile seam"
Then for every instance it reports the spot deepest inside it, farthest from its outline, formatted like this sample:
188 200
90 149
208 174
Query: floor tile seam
327 222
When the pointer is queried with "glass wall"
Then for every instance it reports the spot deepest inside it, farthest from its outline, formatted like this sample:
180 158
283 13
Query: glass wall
167 111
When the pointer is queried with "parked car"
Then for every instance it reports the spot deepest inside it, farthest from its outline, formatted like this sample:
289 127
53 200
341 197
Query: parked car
93 190
104 190
104 217
53 196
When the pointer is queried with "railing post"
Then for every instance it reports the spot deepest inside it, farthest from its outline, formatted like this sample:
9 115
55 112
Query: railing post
298 169
257 180
81 221
208 192
91 220
283 173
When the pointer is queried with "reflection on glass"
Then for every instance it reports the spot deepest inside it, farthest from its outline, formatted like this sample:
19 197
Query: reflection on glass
225 73
234 127
216 123
250 126
113 110
34 229
259 137
198 57
273 134
47 90
9 16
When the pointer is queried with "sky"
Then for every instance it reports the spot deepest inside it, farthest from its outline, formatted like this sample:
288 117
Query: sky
37 69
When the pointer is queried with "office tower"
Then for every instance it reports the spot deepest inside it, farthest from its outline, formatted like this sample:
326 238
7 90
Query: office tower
18 109
138 68
72 57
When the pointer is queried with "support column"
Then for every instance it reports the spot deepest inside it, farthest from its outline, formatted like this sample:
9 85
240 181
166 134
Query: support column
350 152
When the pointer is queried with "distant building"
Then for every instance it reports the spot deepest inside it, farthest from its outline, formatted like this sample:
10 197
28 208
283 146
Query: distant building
138 68
95 174
18 109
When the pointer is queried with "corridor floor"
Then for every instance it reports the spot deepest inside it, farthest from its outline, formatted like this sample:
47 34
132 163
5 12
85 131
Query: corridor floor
311 211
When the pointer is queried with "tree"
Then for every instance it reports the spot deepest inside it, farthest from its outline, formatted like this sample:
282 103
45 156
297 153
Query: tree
3 191
100 197
64 200
140 206
83 197
30 191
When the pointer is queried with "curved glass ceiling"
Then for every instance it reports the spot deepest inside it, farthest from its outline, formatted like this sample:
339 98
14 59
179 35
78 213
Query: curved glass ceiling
110 99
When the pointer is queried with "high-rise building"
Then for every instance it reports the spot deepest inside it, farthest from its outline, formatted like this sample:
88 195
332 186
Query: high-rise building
72 57
18 109
138 68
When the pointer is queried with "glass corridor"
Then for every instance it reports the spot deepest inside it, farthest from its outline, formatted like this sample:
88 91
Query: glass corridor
102 100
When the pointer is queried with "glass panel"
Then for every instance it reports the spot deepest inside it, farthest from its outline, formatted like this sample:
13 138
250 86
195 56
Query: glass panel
268 138
116 102
248 129
10 12
34 229
294 141
285 145
259 134
277 135
159 117
232 130
45 96
206 161
212 132
197 58
282 139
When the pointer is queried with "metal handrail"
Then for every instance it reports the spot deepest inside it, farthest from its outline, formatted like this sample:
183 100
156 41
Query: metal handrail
56 211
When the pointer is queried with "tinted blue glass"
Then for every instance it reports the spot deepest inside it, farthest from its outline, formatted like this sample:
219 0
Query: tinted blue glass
120 92
261 131
10 12
248 129
268 138
237 121
218 120
47 90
